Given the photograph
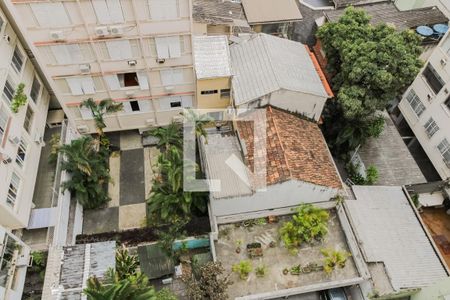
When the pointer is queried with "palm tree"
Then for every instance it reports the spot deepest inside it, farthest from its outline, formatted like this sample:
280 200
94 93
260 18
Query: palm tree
168 136
199 122
89 172
105 106
132 288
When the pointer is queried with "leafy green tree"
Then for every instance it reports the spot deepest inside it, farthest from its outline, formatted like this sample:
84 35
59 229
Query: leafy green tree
105 106
168 136
135 287
310 223
89 172
199 121
370 65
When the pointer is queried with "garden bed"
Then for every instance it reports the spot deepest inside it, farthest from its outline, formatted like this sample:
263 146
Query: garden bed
197 226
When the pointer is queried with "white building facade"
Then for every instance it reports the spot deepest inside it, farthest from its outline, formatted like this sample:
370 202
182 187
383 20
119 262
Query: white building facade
426 107
137 52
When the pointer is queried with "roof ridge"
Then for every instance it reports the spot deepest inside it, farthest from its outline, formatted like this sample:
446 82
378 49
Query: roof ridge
279 139
266 48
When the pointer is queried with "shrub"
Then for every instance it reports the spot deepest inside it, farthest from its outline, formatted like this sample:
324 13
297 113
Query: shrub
334 258
126 264
19 99
261 271
308 225
165 294
243 268
39 263
358 179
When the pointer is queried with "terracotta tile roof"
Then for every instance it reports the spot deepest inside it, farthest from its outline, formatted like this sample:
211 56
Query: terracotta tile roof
296 149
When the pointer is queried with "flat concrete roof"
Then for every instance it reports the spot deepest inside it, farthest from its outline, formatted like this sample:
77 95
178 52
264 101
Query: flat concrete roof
278 258
271 11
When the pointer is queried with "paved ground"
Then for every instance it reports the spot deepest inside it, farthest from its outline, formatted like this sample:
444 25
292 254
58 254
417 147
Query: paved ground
131 171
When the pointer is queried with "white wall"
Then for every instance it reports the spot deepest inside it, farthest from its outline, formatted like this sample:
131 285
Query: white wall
435 108
287 194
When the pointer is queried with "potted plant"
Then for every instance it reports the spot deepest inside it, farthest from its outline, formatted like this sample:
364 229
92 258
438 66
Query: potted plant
296 270
261 271
243 269
334 258
285 271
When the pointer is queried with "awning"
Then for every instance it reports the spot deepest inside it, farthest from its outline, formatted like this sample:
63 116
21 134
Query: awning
42 218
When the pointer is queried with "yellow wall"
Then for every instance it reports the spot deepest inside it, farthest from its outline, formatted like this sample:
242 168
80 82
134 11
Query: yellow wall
213 100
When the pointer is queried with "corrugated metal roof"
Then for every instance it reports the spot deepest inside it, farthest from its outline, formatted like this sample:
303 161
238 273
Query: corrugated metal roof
216 152
218 12
211 57
390 232
264 64
154 262
344 3
271 11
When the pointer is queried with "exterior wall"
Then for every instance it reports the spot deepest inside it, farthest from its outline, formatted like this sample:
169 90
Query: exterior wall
16 215
308 105
287 194
437 291
142 40
443 5
213 100
200 29
434 107
13 288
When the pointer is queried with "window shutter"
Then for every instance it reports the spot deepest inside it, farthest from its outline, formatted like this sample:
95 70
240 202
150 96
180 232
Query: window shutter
113 82
145 105
74 53
170 9
162 47
86 113
115 11
61 54
75 86
127 107
143 80
186 101
164 103
166 77
178 76
174 46
156 9
101 10
87 85
119 49
50 14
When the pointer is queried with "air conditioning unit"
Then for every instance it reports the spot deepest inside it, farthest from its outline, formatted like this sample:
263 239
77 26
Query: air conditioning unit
443 61
85 68
169 88
429 97
129 94
7 38
132 63
101 31
150 122
160 60
116 30
5 158
57 35
83 129
39 138
14 139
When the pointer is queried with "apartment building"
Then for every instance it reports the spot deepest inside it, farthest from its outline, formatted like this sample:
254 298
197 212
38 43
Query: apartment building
425 107
138 52
20 132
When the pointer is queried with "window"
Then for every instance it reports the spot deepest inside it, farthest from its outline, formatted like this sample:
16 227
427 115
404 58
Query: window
13 189
447 103
1 23
8 91
3 122
444 148
128 79
119 50
225 93
172 77
28 124
35 90
81 85
50 14
433 79
17 60
431 127
108 11
137 106
210 92
168 47
446 45
415 103
21 152
125 80
69 54
163 9
175 102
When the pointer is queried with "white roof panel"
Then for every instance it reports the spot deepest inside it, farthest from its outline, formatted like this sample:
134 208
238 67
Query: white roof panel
264 64
390 232
211 57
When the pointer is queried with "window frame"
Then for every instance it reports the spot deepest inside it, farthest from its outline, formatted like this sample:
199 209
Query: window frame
38 93
13 190
23 147
431 127
209 92
225 94
12 87
444 149
22 60
429 69
415 102
28 121
4 117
